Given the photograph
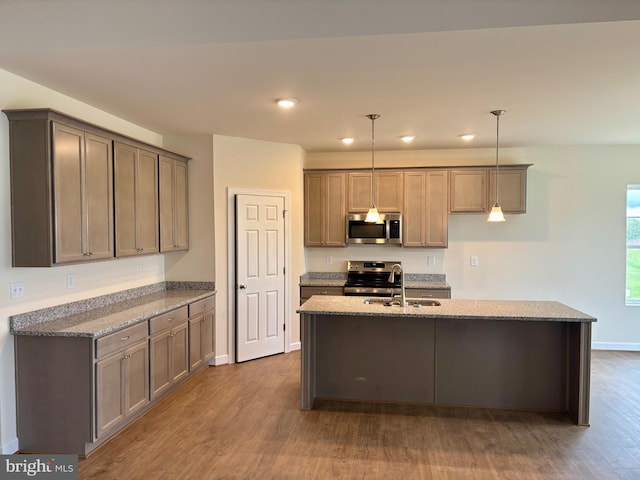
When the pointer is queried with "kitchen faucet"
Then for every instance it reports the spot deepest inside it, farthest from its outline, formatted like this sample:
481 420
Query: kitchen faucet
398 267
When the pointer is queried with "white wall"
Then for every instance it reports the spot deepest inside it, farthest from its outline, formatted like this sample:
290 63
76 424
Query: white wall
569 247
47 286
254 164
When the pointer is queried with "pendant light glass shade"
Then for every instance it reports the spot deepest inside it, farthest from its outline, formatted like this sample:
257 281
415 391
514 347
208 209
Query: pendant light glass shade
496 214
372 215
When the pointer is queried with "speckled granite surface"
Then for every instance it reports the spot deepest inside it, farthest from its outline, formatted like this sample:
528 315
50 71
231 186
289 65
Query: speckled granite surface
99 316
459 309
412 280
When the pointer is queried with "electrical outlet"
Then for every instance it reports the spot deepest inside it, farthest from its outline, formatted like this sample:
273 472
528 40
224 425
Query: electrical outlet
474 261
17 290
71 281
431 260
141 269
329 259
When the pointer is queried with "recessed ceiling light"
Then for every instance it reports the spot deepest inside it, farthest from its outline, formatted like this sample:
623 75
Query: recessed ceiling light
408 138
347 140
468 136
286 102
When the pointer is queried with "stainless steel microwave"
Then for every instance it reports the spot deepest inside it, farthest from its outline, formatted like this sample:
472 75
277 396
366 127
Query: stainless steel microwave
387 230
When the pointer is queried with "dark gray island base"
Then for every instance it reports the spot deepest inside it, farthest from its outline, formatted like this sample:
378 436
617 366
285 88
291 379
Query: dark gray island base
499 354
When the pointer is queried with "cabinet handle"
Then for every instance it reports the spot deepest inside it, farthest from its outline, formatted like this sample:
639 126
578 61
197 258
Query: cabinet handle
170 319
203 306
86 254
124 338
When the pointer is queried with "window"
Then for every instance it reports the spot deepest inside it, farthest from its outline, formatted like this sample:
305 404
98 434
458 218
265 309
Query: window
633 245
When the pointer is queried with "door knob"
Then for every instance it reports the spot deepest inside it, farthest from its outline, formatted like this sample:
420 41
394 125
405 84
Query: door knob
242 286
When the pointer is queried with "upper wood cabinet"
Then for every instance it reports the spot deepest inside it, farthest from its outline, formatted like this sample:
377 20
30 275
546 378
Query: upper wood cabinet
473 189
174 204
513 189
136 200
325 209
62 191
425 212
82 195
387 191
468 191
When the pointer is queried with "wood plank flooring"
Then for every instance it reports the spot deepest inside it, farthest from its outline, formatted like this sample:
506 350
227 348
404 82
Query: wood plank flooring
243 422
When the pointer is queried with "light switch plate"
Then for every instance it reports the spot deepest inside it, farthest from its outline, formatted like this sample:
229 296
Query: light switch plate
17 290
474 261
71 281
431 260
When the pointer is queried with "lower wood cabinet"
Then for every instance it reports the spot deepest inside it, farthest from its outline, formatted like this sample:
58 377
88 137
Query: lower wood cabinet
74 393
169 350
201 332
122 386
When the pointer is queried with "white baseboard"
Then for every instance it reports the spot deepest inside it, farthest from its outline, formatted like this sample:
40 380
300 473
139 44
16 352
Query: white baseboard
11 447
219 360
629 347
295 346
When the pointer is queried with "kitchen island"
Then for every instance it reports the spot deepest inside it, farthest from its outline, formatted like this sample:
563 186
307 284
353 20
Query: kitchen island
529 355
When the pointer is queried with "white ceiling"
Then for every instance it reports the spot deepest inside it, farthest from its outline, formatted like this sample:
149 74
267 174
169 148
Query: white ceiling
566 71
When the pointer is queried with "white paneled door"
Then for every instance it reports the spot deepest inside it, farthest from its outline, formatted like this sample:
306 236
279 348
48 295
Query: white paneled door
260 276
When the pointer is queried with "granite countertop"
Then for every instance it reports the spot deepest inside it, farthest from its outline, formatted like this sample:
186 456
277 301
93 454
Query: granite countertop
103 315
454 309
428 281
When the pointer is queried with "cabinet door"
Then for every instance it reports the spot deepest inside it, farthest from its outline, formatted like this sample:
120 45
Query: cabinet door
136 378
513 189
147 203
208 323
195 342
181 202
126 159
98 197
68 156
179 352
468 191
415 209
389 191
136 187
437 219
174 205
334 200
160 363
359 199
425 215
110 408
313 209
166 175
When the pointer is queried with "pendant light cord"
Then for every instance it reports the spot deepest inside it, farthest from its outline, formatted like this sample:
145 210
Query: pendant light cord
498 114
373 117
497 149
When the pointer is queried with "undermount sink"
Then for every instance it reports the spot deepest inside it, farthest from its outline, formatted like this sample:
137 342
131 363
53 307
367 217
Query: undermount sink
395 302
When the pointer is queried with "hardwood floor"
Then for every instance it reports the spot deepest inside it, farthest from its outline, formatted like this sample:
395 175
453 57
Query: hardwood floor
243 422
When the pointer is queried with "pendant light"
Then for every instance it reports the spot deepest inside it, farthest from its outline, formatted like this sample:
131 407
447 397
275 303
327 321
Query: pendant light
373 216
496 214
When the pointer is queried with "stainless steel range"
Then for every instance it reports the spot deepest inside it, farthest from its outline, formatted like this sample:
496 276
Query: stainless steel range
371 279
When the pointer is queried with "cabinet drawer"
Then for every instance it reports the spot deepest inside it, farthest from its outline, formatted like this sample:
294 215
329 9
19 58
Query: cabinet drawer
168 320
428 293
201 306
120 340
307 292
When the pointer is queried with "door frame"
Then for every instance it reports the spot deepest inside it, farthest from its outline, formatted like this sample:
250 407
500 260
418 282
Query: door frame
231 265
